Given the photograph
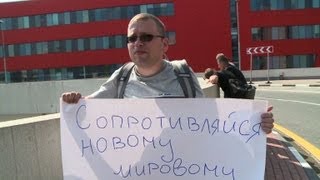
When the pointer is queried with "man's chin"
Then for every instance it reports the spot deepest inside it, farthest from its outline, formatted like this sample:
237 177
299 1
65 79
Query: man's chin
140 62
140 59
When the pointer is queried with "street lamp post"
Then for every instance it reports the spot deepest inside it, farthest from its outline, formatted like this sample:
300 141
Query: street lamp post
238 29
4 53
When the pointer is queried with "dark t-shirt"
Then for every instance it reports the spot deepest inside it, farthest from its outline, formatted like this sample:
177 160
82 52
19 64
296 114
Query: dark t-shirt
223 81
238 74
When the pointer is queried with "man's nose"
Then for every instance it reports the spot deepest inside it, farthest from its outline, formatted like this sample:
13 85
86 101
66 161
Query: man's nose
138 42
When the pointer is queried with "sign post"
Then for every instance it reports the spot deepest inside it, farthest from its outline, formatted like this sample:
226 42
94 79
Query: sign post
251 69
260 50
268 67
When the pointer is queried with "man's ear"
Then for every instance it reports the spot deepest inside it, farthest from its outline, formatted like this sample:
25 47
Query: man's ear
165 43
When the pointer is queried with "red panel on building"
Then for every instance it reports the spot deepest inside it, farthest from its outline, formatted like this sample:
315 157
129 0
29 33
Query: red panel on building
202 30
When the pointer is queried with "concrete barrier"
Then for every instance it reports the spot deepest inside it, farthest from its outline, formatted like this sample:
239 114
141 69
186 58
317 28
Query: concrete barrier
40 97
43 97
209 89
30 148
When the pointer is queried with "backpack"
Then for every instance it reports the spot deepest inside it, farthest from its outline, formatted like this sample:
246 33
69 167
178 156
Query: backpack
181 70
238 89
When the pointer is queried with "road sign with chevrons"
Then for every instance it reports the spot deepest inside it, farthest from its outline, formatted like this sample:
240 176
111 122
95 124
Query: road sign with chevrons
260 50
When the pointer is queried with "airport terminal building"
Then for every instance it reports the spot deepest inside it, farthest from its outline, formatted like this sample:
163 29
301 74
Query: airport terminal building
75 39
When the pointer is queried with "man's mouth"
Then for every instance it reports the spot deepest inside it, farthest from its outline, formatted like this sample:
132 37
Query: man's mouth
140 52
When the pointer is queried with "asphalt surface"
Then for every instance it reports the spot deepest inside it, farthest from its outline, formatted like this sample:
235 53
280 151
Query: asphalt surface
314 83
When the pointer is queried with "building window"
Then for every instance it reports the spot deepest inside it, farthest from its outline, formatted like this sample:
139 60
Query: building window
39 48
26 22
130 11
116 12
285 32
49 20
37 20
108 14
11 51
282 62
86 44
316 3
45 48
84 16
1 51
118 41
67 18
172 38
105 41
256 34
80 44
55 19
93 43
28 49
68 45
99 43
73 18
143 9
62 73
98 15
316 31
275 33
79 17
260 5
20 23
62 47
43 20
73 45
111 42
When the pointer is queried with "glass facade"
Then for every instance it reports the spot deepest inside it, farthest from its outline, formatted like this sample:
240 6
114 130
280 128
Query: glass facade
85 16
64 46
301 31
285 32
234 32
71 45
282 62
60 73
260 5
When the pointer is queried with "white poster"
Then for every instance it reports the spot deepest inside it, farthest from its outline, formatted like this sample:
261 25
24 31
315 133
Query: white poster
140 139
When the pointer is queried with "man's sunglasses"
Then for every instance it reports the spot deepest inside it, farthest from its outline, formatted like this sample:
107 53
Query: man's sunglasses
142 38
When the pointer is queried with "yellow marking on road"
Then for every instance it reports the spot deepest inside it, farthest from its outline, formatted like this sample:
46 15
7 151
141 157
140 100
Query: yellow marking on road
299 140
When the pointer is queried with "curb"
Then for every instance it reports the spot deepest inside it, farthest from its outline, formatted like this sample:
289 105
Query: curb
288 85
311 173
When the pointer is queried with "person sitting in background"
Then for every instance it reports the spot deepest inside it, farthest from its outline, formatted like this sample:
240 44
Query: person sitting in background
221 55
225 64
208 72
210 76
227 71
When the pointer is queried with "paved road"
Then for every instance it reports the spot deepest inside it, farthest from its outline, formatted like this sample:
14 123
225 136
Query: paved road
295 108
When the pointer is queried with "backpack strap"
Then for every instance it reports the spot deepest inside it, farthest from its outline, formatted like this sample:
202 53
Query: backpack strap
182 71
123 78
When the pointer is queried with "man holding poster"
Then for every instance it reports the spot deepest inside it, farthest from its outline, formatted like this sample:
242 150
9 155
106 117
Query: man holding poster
104 139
